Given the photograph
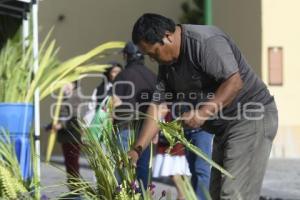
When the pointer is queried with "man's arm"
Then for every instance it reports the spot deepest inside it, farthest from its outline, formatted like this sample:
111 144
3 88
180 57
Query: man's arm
220 63
224 95
150 129
156 110
226 92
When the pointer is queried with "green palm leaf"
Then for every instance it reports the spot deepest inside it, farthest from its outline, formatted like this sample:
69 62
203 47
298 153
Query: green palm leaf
173 131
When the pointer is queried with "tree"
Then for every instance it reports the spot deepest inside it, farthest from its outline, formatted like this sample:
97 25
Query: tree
193 13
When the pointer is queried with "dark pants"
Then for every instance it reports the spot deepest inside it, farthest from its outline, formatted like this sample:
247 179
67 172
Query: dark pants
142 168
199 168
243 150
71 152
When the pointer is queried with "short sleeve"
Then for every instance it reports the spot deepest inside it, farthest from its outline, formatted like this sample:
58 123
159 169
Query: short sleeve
219 60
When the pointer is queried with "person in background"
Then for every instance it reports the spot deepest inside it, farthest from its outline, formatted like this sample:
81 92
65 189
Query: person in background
68 129
133 87
110 75
172 164
200 170
102 90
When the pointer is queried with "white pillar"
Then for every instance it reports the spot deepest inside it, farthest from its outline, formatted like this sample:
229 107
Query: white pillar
35 41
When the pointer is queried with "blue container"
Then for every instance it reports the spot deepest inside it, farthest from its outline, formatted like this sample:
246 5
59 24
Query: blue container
17 119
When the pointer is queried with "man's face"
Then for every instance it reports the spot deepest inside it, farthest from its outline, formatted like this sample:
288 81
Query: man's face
162 53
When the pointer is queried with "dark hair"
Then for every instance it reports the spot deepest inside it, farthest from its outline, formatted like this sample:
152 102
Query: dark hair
113 65
151 28
132 53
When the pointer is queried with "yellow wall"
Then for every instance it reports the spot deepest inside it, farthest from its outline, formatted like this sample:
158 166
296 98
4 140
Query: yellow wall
280 27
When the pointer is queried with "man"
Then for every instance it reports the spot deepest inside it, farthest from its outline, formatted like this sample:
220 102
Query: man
133 87
144 83
230 101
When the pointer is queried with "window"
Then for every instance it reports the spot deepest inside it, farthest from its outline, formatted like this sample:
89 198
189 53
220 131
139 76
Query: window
275 55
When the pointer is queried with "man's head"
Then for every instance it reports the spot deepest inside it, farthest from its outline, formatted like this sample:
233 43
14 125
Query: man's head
155 35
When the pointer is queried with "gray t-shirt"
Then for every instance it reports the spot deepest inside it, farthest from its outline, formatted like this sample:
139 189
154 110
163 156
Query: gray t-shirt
207 58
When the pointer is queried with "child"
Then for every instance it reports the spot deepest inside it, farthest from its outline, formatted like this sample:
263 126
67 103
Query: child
173 164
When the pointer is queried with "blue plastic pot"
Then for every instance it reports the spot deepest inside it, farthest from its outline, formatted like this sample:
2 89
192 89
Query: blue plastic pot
17 118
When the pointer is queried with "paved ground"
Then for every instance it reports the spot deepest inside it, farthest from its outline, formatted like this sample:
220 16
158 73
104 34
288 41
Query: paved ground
53 176
282 180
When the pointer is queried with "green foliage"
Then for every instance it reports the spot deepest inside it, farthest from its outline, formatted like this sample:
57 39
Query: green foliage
115 176
15 70
11 184
174 133
52 76
192 14
17 83
108 160
188 190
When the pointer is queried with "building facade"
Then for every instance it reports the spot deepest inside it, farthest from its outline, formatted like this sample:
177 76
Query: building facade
268 34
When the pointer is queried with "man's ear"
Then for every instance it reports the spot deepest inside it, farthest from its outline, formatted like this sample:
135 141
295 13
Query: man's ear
168 38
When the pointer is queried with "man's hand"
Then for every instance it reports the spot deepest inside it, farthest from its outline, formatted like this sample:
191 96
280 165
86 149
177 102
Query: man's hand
149 130
193 118
133 157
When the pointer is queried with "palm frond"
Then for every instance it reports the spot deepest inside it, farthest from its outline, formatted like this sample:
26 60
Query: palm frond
11 184
174 133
